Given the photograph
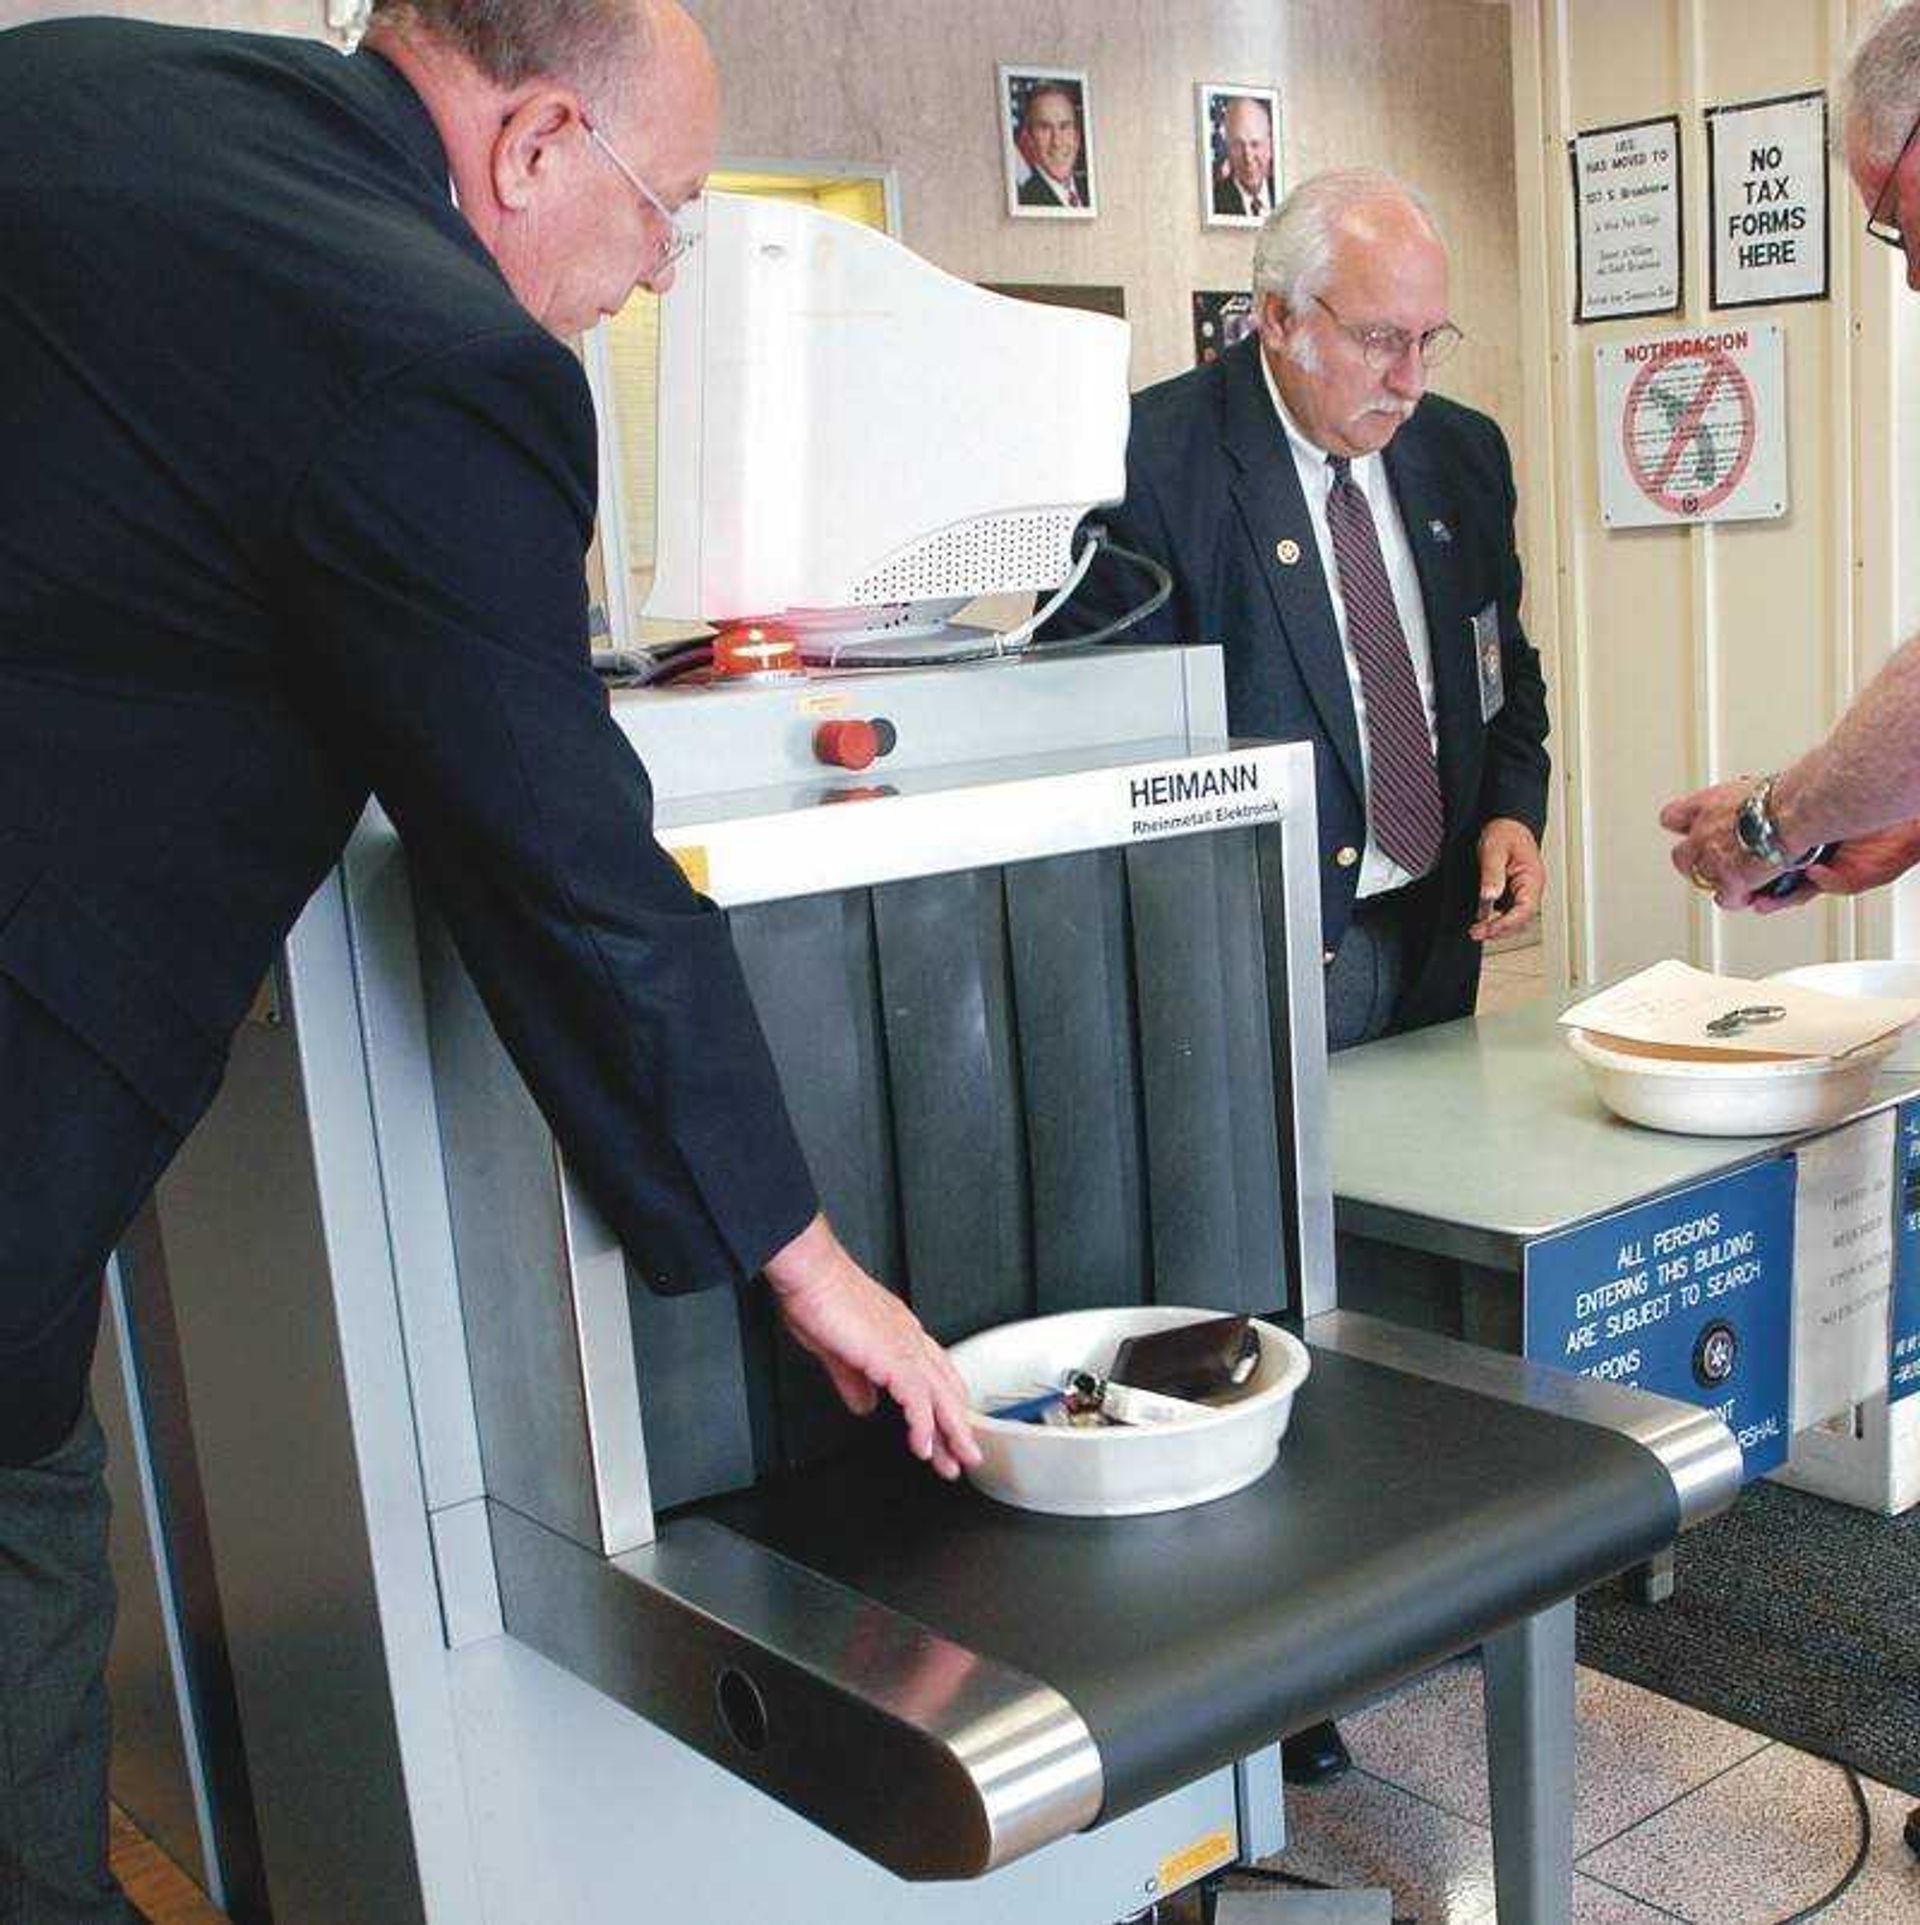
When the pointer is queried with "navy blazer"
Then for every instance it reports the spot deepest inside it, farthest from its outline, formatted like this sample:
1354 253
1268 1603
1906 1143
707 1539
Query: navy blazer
294 501
1213 495
1036 192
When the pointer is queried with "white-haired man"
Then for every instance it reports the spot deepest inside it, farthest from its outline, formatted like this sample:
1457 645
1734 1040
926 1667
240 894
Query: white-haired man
1347 539
1860 788
334 550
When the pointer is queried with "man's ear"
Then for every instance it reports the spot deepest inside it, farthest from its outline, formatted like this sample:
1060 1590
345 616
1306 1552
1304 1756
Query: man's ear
1270 313
533 144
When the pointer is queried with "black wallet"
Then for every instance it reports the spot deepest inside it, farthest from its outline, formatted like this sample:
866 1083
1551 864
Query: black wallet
1191 1360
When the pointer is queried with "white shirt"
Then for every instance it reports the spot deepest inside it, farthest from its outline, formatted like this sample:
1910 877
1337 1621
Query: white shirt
1378 872
1252 206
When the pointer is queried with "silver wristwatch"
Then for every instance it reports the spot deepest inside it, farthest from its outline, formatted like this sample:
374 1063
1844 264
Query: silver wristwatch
1758 832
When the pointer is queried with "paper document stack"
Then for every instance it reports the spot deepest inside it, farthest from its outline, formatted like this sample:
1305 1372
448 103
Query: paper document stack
1677 1013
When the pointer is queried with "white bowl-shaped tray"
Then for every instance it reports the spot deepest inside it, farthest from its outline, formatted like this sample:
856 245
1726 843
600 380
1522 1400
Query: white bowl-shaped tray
1712 1098
1867 979
1121 1471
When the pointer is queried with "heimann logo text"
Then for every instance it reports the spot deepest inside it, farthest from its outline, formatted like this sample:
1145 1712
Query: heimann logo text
1195 785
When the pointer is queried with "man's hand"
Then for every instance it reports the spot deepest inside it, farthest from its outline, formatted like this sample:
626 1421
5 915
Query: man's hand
1511 870
1861 862
1709 853
868 1342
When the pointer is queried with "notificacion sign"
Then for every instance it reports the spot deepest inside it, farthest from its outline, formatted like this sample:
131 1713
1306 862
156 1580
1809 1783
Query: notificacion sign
1692 427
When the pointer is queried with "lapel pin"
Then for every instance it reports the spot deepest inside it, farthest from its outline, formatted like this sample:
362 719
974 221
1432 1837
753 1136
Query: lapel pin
1440 531
1287 552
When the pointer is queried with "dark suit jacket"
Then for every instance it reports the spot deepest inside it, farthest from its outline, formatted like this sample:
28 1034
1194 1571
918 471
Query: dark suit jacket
1212 493
1034 191
293 502
1226 197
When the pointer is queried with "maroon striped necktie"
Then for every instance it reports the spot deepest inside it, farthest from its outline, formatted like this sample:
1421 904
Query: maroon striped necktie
1403 800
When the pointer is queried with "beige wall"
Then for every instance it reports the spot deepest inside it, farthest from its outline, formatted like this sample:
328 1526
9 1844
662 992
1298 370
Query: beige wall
912 84
1692 654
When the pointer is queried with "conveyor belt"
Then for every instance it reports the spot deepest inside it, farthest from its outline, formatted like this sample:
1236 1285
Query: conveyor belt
1403 1520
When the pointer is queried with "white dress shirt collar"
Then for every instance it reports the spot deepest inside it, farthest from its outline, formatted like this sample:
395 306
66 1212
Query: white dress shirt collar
1308 456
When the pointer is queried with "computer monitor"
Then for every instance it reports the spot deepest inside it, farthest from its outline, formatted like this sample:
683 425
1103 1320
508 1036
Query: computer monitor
856 443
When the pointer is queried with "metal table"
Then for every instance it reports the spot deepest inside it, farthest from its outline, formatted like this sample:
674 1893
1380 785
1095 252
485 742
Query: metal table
1474 1139
1456 1147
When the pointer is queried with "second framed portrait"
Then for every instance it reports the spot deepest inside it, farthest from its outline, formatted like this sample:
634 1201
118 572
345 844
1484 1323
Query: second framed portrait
1222 319
1239 141
1046 141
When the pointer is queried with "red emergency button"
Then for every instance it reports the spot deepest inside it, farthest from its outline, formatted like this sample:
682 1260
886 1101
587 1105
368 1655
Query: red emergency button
855 744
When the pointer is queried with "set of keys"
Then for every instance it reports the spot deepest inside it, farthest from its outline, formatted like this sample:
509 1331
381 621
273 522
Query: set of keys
1177 1376
1085 1400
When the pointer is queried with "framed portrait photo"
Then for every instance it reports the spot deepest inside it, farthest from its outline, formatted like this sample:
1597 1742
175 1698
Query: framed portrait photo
1239 140
1046 142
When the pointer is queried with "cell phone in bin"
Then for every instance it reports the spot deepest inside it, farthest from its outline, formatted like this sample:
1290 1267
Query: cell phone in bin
1195 1360
1790 882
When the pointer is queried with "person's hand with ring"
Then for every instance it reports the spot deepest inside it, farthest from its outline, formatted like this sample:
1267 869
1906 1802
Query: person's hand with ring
1709 852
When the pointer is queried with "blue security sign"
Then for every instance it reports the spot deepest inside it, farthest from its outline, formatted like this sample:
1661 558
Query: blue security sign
1903 1355
1690 1295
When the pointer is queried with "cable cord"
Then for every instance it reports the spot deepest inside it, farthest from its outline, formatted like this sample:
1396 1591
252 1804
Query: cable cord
1012 641
648 667
654 669
1018 642
1162 592
1860 1854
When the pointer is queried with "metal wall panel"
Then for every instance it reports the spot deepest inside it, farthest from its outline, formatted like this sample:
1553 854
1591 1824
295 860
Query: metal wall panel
510 1244
1697 652
250 1254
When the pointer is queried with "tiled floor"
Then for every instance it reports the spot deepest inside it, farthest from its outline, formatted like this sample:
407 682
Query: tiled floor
1678 1816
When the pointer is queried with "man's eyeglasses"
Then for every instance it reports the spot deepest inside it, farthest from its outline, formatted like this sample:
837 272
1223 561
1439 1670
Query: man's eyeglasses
679 239
1881 225
1384 348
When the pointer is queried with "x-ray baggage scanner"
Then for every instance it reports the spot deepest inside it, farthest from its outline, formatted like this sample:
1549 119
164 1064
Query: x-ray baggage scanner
541 1598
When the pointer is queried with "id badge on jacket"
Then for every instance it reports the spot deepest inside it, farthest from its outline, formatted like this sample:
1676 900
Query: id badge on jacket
1486 655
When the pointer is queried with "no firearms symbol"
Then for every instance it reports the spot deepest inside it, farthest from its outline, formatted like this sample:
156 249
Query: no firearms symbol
1689 425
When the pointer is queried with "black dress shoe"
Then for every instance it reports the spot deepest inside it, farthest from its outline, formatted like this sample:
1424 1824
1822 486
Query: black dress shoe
1911 1830
1315 1755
